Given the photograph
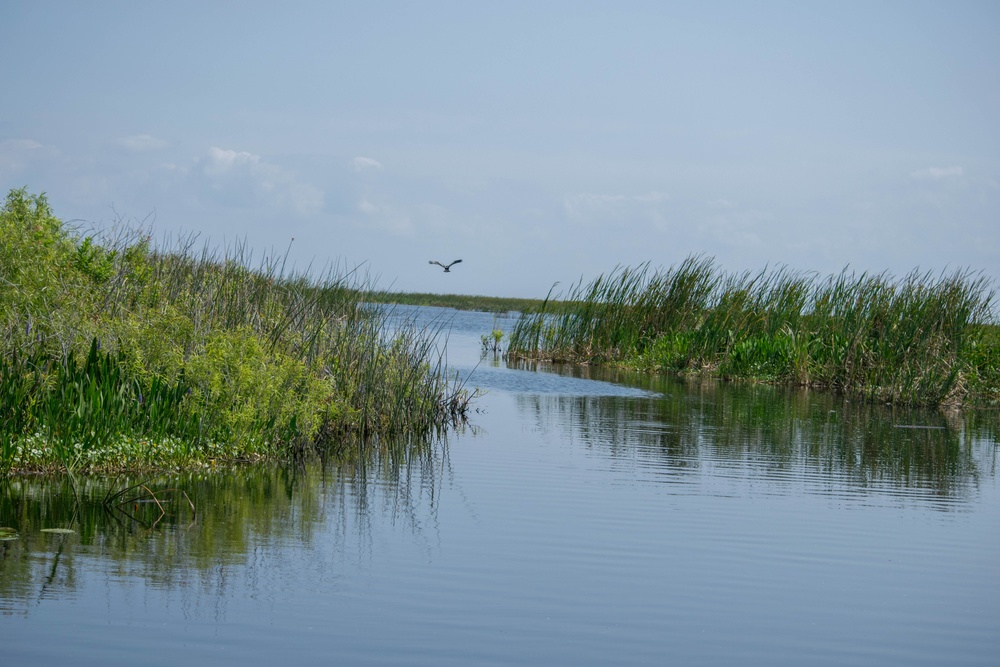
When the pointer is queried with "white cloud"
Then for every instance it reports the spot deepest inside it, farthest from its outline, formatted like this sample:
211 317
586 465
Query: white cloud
19 145
600 207
937 173
222 161
17 154
734 230
386 216
140 143
239 178
363 163
721 203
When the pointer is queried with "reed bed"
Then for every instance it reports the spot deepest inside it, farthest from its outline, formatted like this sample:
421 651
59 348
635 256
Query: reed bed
920 340
486 304
119 354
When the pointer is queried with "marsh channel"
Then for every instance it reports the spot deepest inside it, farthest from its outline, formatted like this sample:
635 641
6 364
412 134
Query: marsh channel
583 517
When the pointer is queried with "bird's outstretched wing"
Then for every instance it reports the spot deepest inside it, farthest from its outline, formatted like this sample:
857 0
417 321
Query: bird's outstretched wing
445 266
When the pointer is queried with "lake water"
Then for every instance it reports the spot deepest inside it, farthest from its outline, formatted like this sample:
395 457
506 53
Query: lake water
584 517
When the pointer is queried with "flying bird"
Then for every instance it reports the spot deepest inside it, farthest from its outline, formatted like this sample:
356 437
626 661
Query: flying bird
446 267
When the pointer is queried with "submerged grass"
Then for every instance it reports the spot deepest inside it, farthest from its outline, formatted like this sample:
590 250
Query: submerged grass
116 354
920 340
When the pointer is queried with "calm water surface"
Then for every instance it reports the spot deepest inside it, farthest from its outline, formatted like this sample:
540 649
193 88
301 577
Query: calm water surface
583 518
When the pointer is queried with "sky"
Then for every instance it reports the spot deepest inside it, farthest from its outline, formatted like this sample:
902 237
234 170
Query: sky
540 142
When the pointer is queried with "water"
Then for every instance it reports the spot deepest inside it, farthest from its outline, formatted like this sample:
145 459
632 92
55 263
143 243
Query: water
585 517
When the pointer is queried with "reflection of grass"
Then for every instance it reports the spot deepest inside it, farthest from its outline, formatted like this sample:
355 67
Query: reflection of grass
790 435
115 354
918 340
172 529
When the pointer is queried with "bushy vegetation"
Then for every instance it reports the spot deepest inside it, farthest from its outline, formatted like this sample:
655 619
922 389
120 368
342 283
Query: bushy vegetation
117 354
920 340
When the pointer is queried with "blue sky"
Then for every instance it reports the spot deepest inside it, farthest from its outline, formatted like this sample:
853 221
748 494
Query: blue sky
539 142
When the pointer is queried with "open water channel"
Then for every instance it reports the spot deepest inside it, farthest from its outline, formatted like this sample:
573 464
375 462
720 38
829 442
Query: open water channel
582 518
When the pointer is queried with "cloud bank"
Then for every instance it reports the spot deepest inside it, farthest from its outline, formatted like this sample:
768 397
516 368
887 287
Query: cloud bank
239 178
937 173
15 154
364 163
597 208
140 143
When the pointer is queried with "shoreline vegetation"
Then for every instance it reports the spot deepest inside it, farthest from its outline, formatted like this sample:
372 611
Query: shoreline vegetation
486 304
919 340
116 355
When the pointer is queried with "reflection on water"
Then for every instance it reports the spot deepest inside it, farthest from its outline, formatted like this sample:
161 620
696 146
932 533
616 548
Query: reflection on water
188 532
830 445
587 516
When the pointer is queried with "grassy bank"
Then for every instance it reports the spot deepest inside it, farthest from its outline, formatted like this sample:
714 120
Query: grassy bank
486 304
115 354
919 340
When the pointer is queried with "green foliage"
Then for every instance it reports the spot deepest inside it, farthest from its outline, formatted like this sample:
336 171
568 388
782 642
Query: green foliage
90 404
80 406
761 357
35 256
983 353
94 261
114 346
670 352
257 397
491 341
920 340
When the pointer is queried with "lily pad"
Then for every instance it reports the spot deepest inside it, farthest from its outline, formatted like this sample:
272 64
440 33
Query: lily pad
8 533
59 531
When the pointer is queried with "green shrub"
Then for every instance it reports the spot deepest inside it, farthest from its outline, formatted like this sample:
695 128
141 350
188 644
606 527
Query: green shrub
113 343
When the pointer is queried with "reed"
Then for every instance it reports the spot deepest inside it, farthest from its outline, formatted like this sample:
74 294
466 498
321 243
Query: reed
922 339
190 352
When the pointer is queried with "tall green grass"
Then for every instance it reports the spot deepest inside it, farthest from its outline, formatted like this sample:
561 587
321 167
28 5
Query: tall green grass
921 339
188 351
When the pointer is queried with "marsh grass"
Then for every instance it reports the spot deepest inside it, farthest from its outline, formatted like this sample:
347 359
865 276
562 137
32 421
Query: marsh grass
486 304
200 351
922 339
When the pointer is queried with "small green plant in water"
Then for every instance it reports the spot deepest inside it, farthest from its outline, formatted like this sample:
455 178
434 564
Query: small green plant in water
491 341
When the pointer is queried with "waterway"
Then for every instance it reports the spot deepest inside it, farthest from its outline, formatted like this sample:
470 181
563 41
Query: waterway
583 517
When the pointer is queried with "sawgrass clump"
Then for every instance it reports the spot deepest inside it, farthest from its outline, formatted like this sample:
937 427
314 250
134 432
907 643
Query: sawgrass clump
920 340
